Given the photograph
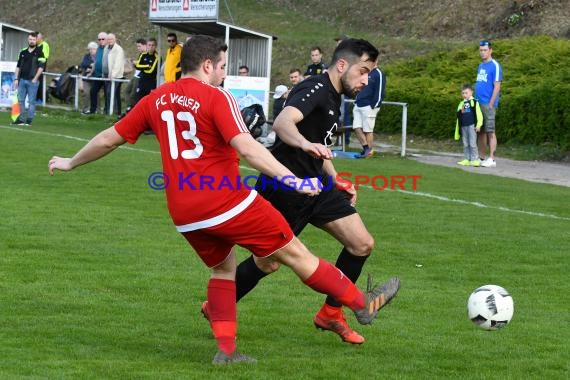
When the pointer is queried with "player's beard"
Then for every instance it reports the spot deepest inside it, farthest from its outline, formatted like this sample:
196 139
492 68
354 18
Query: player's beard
31 46
351 92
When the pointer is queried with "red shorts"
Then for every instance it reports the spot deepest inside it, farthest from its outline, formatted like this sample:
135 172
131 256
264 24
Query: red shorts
260 228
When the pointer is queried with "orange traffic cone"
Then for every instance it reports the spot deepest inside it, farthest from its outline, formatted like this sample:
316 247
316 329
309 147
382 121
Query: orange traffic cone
15 108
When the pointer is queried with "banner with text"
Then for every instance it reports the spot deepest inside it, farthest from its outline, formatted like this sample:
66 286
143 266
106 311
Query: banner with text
202 10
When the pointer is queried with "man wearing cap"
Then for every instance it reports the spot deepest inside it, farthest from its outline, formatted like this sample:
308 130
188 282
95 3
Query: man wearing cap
279 97
487 92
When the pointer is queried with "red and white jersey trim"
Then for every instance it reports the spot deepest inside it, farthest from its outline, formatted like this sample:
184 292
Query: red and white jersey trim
219 219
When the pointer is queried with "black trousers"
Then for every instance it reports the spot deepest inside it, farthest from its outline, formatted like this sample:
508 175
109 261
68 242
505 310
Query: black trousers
117 97
144 88
96 86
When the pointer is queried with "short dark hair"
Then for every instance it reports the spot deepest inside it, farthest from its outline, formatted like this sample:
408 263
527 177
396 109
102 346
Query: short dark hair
295 70
33 34
467 86
152 39
352 49
243 67
317 48
199 49
172 35
141 41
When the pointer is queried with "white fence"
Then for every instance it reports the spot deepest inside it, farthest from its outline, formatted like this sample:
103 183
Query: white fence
77 78
404 121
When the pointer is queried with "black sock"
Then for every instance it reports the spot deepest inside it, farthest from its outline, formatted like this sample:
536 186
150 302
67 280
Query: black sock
351 266
247 276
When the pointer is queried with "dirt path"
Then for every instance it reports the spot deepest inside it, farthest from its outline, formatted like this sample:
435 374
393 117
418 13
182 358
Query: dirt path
534 171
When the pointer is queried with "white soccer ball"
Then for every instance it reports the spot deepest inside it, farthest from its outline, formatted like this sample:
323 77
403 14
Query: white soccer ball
490 307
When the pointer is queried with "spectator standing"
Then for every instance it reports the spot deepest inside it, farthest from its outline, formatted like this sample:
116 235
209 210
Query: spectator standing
366 107
45 49
295 76
172 62
134 82
29 68
469 121
317 65
488 92
86 69
147 66
98 73
116 56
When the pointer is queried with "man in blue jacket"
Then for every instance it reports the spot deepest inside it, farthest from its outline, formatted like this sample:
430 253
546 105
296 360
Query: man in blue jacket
366 108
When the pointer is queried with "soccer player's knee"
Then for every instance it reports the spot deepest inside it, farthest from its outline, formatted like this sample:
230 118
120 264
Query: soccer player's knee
364 246
293 254
270 267
267 265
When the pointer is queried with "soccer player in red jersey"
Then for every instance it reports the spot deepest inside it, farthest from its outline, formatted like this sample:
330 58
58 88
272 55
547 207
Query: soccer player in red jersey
199 128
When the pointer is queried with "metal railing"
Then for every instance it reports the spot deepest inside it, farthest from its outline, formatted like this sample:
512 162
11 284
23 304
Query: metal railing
404 123
77 78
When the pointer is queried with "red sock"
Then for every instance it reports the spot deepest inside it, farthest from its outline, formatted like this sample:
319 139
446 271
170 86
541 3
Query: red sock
223 314
329 280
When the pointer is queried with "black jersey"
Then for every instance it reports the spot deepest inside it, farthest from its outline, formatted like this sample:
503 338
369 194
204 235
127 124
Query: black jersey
29 62
319 103
315 69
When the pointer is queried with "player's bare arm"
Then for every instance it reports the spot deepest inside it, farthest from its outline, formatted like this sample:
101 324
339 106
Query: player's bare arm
496 90
261 159
285 126
100 145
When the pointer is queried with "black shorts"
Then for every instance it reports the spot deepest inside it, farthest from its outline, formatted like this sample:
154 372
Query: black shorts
300 209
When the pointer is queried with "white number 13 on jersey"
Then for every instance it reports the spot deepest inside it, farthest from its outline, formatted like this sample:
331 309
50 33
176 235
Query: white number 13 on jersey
189 134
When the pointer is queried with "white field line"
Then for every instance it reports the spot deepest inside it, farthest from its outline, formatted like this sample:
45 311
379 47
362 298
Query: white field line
415 193
24 129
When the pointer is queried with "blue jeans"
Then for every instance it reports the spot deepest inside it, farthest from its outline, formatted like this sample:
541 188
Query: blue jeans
27 88
469 137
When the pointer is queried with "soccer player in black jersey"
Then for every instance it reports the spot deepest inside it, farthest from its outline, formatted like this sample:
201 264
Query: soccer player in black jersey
304 128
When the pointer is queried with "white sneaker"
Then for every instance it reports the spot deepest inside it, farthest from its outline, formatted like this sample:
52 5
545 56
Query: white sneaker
489 163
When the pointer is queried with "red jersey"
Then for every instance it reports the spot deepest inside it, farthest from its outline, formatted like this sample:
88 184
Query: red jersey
194 123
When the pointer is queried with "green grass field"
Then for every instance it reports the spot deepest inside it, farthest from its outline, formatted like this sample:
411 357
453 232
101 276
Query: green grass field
96 283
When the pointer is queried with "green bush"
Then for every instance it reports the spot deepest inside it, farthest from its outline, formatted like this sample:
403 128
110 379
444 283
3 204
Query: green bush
535 92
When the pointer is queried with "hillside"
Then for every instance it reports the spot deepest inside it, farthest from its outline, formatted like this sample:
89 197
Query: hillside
402 29
428 49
